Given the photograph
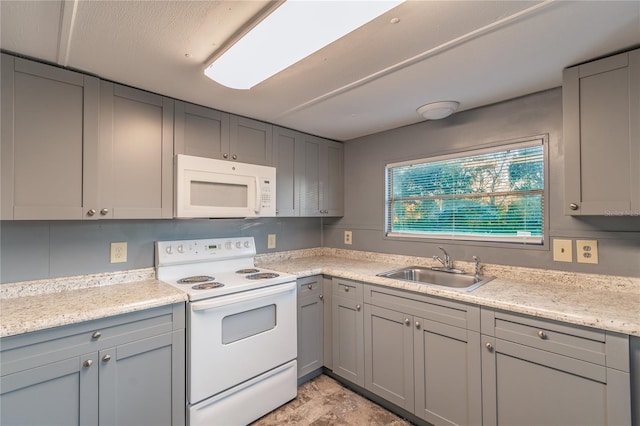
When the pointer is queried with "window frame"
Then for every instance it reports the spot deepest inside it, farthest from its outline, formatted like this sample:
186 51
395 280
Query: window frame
467 152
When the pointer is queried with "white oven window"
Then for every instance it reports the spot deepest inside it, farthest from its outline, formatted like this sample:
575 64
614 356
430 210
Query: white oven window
218 194
248 323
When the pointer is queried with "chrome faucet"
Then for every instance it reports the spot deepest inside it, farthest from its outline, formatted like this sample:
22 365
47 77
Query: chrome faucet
447 262
476 259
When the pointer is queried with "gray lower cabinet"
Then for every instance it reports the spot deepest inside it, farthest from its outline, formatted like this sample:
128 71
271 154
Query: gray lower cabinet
422 354
348 330
122 370
543 372
310 325
601 125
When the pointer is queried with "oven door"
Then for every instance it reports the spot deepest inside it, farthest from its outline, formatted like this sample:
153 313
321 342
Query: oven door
240 336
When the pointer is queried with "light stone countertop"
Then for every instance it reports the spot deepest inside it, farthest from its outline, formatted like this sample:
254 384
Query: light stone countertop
37 305
605 302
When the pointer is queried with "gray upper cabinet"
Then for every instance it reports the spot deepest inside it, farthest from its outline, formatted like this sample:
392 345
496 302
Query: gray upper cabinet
542 372
288 160
200 131
601 119
124 370
50 126
250 141
321 191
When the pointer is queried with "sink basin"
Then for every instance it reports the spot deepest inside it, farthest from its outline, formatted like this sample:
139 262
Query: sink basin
421 274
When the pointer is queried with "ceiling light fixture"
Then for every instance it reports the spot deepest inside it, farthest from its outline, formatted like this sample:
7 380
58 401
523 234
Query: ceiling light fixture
293 31
438 110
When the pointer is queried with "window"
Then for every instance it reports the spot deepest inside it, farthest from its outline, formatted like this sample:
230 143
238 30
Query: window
494 194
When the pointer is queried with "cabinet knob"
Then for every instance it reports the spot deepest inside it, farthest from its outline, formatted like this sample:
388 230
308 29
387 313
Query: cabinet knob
277 211
104 212
91 212
489 346
321 297
358 307
96 335
417 325
87 363
573 206
225 155
234 156
310 286
106 358
406 321
346 289
542 334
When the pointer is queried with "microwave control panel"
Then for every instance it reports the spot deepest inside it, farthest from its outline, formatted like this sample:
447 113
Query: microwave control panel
267 193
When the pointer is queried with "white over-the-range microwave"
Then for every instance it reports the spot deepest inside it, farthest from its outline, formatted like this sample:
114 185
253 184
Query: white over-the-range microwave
209 188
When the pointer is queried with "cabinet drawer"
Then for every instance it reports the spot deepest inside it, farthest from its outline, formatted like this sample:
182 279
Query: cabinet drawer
583 343
347 289
431 308
32 349
309 286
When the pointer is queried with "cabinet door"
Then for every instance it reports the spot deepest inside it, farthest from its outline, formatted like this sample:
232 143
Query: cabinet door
527 386
348 339
310 202
333 182
136 153
61 393
49 141
200 131
288 159
327 284
448 374
136 383
388 348
601 119
251 141
310 332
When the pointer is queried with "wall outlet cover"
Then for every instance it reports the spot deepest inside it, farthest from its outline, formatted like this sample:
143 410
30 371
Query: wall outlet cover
587 251
562 250
118 252
348 237
271 241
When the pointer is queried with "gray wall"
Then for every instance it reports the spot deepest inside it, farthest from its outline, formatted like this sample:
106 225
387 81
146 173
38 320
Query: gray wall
32 250
540 113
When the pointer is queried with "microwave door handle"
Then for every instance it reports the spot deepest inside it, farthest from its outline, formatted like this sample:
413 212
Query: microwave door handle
257 206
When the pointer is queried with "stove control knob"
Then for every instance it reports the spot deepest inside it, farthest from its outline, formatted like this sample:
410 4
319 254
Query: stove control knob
239 244
228 245
180 249
247 244
169 250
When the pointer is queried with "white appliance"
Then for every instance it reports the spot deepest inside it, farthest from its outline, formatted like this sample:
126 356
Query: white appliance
215 188
241 328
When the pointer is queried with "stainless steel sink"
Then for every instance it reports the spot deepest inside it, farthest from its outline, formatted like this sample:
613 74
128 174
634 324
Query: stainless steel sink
421 274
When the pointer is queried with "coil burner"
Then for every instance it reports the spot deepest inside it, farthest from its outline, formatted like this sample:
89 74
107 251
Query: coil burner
196 279
247 271
262 276
207 286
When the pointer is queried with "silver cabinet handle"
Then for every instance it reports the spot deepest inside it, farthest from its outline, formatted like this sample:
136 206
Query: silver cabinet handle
234 156
104 212
346 289
417 325
489 346
321 297
87 363
358 307
573 206
96 335
542 334
91 212
310 286
406 321
225 155
106 358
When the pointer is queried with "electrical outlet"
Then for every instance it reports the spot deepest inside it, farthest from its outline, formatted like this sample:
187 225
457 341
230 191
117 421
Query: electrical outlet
562 250
271 241
587 251
118 252
348 237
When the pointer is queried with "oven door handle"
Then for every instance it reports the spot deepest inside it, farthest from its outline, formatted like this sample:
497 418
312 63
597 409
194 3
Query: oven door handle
243 297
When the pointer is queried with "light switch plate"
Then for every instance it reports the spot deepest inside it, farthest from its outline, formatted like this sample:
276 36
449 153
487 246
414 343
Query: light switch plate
587 251
271 241
118 252
562 250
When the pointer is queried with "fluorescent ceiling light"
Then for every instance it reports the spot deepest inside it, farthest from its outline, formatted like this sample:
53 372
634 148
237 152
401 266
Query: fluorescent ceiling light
295 30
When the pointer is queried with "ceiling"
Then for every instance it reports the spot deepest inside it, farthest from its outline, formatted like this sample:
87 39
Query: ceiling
373 79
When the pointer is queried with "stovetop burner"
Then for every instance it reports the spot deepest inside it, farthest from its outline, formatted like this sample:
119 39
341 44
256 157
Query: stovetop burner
247 271
262 276
207 286
196 279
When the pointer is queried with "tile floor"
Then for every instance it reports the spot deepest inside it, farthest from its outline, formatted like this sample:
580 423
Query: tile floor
323 401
